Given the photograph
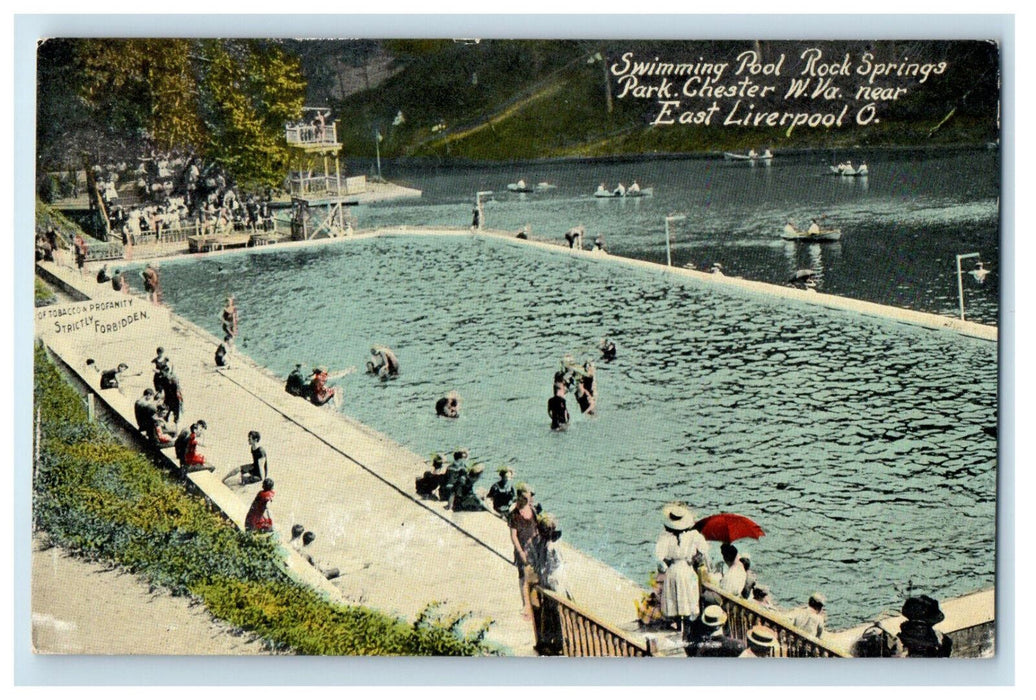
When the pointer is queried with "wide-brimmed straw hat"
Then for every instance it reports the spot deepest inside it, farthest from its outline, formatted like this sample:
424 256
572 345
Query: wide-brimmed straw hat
762 636
677 516
713 616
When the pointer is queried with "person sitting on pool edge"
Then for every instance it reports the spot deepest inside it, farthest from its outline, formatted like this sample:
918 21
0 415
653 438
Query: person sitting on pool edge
428 483
464 497
296 383
110 377
319 392
457 467
502 494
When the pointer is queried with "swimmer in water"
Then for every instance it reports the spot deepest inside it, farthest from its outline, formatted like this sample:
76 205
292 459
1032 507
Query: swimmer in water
448 406
384 363
608 350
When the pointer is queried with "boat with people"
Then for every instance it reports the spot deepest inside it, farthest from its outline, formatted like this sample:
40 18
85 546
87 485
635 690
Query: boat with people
634 190
522 187
813 233
846 169
751 155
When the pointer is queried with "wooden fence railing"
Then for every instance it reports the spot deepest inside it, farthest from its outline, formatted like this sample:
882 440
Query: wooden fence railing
743 615
564 629
103 250
311 135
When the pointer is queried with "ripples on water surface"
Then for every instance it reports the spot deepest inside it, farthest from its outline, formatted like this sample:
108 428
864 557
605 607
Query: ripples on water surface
856 443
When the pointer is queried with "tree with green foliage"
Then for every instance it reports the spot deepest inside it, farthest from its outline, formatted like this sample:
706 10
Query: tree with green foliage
225 100
252 89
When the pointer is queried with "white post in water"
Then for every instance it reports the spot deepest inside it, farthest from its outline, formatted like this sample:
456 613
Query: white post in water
377 149
960 282
668 244
481 211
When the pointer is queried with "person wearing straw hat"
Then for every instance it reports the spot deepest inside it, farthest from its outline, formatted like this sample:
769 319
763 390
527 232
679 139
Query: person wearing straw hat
762 642
715 643
810 619
680 549
464 497
502 493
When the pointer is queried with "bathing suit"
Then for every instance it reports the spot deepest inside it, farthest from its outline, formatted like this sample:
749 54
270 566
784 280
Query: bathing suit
110 379
558 410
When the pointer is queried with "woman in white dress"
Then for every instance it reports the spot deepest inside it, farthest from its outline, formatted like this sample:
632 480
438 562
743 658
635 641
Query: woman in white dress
680 549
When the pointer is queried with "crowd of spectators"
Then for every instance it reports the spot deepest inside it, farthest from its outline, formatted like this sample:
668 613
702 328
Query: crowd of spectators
177 191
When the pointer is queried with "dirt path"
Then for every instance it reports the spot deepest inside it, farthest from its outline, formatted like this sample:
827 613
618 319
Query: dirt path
85 608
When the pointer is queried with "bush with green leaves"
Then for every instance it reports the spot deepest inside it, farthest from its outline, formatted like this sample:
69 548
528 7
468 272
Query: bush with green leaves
100 499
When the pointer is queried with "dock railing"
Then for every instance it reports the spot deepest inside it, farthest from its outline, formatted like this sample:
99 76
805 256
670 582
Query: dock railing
103 250
743 615
303 185
311 135
563 628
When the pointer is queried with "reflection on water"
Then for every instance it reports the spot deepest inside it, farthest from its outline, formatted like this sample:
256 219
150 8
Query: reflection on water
857 444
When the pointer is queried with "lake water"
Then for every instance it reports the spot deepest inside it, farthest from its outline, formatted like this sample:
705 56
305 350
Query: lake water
857 444
903 225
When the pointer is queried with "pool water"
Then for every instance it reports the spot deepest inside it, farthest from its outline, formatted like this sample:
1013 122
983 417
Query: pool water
856 443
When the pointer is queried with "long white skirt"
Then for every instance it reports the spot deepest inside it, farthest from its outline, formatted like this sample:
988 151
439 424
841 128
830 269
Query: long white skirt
680 591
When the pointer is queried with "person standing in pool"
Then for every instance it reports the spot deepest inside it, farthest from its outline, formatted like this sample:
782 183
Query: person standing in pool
119 282
150 277
586 389
229 321
557 409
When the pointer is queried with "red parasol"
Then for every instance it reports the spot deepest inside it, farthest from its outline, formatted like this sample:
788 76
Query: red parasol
728 527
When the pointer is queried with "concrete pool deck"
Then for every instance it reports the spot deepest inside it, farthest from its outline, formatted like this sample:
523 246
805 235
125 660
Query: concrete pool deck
347 483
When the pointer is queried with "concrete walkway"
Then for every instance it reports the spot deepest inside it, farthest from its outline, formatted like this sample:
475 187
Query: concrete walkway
344 481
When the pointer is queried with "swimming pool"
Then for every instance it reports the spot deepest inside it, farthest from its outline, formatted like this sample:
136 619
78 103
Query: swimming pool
856 443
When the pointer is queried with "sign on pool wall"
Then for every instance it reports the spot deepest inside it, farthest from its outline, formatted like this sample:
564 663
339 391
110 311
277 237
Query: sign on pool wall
102 319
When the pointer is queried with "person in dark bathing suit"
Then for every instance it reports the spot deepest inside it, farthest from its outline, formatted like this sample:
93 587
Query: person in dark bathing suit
557 409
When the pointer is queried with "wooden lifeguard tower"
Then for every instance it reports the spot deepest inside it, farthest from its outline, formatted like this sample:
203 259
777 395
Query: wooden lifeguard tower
319 193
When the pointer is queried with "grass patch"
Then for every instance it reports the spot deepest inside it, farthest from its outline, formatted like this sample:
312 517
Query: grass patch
104 501
43 294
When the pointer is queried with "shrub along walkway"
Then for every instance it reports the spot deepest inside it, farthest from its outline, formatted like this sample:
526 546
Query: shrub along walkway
347 483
